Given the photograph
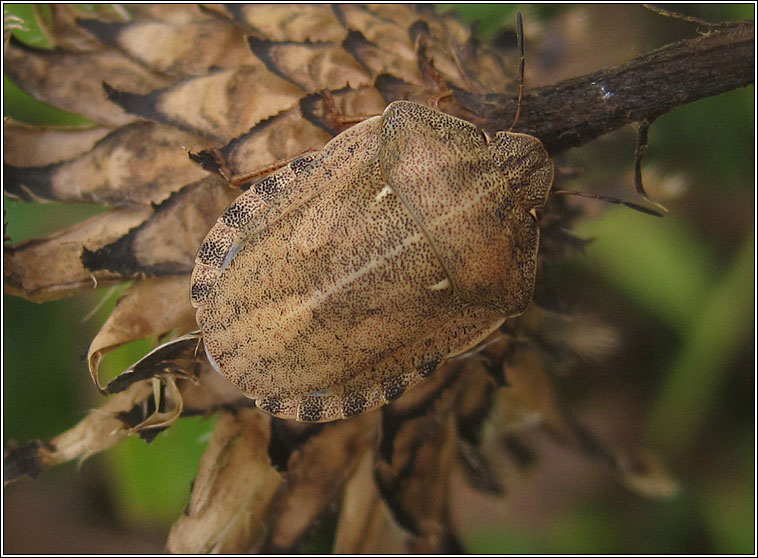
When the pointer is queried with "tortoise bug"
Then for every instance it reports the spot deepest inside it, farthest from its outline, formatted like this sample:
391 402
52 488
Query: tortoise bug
333 285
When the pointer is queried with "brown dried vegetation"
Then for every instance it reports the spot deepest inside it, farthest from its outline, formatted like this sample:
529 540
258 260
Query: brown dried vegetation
248 80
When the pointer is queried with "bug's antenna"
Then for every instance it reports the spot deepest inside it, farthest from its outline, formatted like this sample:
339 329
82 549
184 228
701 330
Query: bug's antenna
520 42
609 199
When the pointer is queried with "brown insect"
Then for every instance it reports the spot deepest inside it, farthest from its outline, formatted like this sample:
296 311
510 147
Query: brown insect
332 286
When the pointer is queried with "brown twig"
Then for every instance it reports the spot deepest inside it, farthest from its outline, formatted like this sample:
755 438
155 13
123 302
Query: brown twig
578 110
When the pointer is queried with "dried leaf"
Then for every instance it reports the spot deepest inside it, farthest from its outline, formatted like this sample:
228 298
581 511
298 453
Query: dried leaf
403 14
455 52
437 41
98 431
167 241
393 88
310 66
279 22
397 57
175 359
412 475
472 409
177 49
139 164
50 268
365 524
177 14
529 397
37 146
151 307
281 137
350 103
390 28
69 35
74 81
211 391
297 130
645 474
232 490
316 474
220 105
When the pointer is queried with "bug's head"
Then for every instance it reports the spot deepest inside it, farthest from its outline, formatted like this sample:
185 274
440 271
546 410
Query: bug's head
525 163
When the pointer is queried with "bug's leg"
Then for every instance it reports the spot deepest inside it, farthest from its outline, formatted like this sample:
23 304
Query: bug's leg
334 116
426 66
214 161
443 91
239 180
638 154
434 102
390 378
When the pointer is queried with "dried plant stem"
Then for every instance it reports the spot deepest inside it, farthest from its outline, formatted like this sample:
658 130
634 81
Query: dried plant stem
578 110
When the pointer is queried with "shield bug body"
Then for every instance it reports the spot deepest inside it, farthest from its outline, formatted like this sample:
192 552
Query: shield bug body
333 285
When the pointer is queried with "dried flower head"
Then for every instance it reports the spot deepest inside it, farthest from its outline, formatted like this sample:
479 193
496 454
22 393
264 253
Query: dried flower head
171 90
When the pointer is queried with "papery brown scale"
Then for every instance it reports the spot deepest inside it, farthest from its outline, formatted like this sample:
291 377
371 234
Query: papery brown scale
67 80
151 307
232 491
220 105
390 34
328 65
50 268
176 14
67 34
98 431
375 59
165 243
26 145
180 50
138 164
316 475
366 524
414 482
279 137
279 22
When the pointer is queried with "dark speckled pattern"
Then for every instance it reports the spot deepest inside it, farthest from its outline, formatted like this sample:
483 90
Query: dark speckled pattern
351 276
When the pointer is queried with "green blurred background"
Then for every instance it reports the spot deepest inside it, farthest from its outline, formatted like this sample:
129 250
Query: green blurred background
680 290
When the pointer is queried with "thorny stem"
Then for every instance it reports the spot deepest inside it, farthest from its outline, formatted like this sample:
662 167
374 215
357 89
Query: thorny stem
578 110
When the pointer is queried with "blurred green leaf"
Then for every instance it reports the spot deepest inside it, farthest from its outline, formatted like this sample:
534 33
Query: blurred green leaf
660 263
718 329
40 387
151 482
491 17
728 504
22 106
714 134
34 220
29 23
